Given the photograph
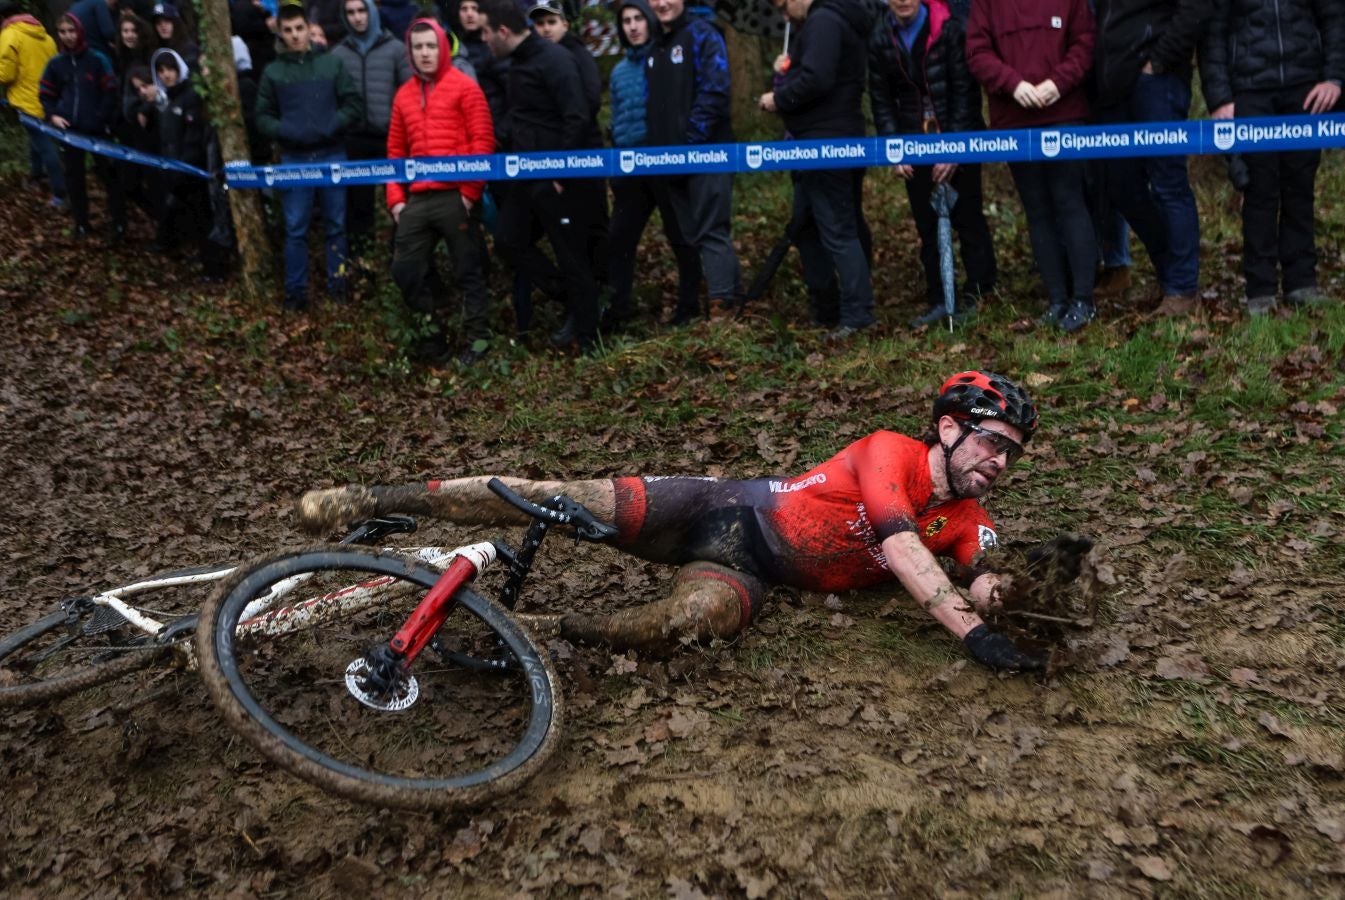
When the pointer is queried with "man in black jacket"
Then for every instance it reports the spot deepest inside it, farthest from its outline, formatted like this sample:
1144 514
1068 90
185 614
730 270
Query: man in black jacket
546 110
688 103
919 84
1142 66
820 98
1276 58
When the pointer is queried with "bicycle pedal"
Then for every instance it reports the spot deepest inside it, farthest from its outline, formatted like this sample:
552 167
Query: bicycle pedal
104 619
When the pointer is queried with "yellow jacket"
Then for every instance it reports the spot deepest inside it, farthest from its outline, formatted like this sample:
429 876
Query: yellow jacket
25 48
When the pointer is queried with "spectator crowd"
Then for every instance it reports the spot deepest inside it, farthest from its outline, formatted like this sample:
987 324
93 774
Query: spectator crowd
335 80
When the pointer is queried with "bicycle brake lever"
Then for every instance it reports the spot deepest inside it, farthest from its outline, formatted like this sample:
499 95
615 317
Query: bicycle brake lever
586 526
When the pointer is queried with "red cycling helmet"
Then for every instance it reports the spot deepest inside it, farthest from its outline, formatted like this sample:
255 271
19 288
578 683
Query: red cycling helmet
973 396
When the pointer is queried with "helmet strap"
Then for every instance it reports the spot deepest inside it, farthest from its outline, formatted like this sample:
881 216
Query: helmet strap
948 460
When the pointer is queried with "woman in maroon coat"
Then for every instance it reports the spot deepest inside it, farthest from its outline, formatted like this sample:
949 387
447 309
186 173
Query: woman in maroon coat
1032 57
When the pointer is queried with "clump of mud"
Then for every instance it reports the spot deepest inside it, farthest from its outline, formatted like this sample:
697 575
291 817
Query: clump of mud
1050 594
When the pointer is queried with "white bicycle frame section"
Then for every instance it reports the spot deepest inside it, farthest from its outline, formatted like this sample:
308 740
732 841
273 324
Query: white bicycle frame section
257 620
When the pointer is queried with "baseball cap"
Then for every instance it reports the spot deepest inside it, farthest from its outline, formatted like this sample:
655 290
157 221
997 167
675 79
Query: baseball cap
542 9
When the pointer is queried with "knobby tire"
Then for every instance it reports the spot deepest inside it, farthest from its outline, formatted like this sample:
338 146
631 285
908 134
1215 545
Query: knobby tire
221 654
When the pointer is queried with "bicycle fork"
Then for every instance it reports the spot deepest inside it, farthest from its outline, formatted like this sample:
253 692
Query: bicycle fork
381 679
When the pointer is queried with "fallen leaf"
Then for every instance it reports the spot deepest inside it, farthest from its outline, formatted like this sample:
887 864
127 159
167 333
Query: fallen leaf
1270 722
1186 667
1154 867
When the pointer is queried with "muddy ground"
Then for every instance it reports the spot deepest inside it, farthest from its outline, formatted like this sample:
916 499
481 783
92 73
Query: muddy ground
843 748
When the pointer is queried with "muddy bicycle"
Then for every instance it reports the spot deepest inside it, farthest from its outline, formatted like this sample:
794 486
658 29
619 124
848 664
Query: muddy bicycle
92 639
388 680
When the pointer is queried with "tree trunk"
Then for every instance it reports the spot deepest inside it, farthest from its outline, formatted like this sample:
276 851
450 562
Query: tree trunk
750 59
226 114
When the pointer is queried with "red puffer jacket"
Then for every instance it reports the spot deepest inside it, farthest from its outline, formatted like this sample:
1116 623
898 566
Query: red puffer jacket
443 115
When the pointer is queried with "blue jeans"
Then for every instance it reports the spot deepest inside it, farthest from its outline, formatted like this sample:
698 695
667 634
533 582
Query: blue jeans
298 206
44 159
1163 215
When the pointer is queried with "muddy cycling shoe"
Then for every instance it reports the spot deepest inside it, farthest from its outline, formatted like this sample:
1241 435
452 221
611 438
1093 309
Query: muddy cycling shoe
1077 316
326 510
995 651
543 625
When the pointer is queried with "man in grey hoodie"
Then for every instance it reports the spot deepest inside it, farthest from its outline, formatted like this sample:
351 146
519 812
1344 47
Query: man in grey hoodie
378 64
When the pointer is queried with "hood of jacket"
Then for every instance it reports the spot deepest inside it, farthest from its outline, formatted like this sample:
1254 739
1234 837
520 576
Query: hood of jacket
645 10
183 73
364 42
445 49
23 19
81 43
858 14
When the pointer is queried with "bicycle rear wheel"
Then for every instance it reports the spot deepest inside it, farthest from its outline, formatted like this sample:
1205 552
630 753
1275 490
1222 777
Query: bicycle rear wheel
84 643
281 681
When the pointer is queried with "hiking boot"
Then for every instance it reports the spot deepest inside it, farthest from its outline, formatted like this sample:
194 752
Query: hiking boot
1260 306
1112 282
1176 305
1079 314
1307 296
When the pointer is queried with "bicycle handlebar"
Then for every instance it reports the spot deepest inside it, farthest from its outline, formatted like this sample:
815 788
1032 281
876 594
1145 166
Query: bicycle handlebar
559 510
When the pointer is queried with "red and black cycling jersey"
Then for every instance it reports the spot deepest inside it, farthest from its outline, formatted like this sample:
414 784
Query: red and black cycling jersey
822 530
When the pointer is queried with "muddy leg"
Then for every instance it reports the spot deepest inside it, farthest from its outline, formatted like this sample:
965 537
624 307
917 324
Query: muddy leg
708 601
466 501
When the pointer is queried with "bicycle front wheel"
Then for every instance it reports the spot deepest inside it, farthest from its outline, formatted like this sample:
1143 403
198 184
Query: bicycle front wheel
460 737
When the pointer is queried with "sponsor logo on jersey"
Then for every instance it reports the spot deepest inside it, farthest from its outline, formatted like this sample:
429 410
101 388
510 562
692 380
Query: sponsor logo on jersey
986 536
784 487
936 526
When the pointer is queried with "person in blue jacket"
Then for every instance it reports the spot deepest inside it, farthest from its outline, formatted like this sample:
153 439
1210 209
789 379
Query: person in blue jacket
688 103
79 93
634 198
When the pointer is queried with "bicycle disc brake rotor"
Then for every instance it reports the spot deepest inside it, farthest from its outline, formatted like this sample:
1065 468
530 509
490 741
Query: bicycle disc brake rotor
401 697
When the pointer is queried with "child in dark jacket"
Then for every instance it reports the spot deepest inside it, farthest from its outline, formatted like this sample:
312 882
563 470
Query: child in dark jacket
184 135
79 93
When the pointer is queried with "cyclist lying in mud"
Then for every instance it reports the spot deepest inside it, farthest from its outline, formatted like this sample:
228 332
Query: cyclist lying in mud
884 507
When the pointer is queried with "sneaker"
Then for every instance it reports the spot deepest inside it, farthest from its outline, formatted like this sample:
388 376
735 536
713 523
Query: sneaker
564 335
1112 282
1307 296
1079 314
937 314
1051 318
58 204
844 333
684 316
1176 305
470 357
724 308
1260 306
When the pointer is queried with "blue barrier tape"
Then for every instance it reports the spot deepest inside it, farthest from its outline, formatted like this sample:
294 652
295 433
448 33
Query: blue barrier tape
110 148
1027 145
1184 138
